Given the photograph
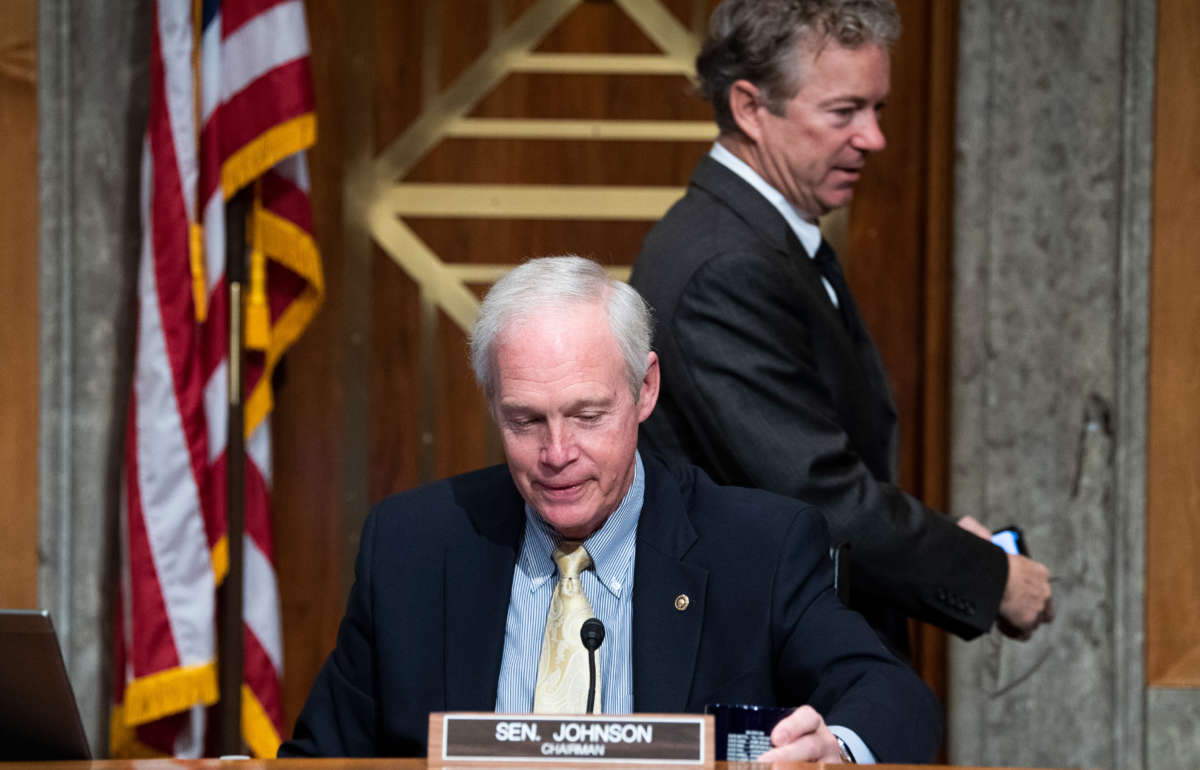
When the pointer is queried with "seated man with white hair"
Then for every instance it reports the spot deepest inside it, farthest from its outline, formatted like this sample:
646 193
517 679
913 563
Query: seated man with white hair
709 594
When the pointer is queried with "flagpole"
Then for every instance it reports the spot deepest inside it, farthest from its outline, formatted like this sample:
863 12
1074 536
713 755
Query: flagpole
229 632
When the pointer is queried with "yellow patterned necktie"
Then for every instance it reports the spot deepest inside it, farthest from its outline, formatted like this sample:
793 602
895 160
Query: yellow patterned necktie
562 682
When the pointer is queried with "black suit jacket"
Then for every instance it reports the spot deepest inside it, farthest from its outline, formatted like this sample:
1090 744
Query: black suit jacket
424 627
763 385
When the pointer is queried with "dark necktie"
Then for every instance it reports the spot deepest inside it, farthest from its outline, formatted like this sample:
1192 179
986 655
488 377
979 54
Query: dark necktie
831 271
867 353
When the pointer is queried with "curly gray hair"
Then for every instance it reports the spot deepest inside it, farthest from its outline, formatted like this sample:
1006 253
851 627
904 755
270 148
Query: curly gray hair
755 40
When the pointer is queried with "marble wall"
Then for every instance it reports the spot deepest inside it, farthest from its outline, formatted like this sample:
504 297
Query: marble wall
91 109
1049 375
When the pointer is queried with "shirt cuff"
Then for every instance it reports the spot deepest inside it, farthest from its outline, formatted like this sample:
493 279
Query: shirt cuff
862 755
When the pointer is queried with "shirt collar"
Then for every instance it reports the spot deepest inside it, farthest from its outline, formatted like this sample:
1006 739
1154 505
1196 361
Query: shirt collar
606 545
808 233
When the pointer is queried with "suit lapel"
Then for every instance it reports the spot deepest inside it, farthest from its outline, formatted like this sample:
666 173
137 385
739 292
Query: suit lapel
666 639
866 354
760 216
478 581
747 203
874 372
811 273
741 198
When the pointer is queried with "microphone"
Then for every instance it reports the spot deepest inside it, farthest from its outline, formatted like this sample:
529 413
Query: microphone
592 635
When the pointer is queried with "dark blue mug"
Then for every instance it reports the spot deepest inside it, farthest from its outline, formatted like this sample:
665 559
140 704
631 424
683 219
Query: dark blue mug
742 731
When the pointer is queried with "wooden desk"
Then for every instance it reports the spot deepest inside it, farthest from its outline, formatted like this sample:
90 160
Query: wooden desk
373 764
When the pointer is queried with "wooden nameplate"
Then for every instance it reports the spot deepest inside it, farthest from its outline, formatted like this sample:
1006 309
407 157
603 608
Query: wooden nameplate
462 737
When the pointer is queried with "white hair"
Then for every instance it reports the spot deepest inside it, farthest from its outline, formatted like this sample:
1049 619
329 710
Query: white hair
555 282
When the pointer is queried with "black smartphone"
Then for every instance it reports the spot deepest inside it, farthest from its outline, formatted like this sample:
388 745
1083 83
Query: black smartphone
1011 540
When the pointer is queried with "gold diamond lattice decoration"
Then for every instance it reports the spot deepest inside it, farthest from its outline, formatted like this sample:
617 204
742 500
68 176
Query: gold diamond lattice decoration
445 115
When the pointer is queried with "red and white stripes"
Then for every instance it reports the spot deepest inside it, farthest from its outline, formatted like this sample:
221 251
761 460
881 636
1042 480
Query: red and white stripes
256 118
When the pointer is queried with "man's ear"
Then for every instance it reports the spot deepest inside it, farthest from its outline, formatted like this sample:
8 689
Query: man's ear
747 105
648 395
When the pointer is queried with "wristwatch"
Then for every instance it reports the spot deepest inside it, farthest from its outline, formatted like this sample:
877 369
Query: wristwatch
847 754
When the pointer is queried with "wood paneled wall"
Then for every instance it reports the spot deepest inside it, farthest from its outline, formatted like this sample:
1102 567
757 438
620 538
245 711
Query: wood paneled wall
1173 455
898 263
18 304
350 426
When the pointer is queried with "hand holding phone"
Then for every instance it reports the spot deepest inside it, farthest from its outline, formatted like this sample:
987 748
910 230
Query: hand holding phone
1012 540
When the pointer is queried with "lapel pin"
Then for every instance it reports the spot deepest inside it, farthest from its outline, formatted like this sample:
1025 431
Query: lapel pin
681 602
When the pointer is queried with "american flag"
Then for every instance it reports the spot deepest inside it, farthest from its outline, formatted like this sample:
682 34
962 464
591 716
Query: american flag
230 106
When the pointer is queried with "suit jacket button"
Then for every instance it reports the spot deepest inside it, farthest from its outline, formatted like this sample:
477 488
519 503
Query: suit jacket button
681 602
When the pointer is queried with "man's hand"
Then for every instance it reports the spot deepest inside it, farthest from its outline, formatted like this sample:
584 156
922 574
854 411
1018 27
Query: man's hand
802 736
972 525
1027 602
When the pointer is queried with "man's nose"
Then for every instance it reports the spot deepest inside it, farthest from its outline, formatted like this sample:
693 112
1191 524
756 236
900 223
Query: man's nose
869 137
559 448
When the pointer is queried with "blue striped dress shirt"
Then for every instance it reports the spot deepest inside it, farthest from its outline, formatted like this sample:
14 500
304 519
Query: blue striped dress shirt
608 587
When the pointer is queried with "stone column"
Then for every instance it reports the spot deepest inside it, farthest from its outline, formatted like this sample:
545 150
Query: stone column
1049 376
91 103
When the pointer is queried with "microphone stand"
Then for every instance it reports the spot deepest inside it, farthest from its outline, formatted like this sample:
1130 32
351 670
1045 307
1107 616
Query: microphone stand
591 681
592 635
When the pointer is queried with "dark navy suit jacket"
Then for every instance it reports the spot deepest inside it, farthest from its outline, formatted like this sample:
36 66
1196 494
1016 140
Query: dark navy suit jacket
424 627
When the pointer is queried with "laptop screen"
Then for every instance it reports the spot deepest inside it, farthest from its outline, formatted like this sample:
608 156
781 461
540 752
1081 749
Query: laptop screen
38 716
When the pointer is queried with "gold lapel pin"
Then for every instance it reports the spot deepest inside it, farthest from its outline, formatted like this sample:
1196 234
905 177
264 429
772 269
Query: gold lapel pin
681 602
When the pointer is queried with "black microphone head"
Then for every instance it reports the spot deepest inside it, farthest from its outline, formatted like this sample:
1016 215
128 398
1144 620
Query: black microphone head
592 633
